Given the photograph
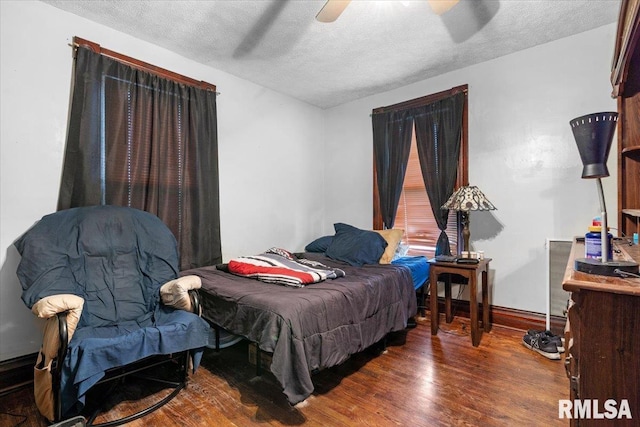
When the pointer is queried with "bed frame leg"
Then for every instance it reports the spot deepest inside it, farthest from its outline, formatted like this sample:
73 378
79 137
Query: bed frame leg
217 329
422 294
258 361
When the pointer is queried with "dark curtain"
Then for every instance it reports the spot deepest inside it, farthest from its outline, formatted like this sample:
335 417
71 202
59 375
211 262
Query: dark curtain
391 145
438 132
138 140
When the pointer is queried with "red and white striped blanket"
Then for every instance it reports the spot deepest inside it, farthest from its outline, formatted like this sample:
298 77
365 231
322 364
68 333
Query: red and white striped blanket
281 267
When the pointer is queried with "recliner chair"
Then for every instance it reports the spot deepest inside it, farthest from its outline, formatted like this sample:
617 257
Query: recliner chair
106 279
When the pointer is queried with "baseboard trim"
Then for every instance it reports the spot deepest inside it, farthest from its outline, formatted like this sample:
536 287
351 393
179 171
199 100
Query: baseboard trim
508 317
16 373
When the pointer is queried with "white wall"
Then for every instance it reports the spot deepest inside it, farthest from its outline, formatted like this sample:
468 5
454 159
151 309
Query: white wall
264 138
522 155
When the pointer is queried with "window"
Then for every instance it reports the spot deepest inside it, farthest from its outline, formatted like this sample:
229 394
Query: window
143 162
414 213
146 138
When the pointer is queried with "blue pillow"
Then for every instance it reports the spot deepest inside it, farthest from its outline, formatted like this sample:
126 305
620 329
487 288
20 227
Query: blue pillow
356 247
319 245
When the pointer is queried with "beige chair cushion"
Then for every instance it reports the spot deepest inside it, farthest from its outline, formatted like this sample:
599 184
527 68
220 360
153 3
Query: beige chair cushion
43 387
47 308
175 293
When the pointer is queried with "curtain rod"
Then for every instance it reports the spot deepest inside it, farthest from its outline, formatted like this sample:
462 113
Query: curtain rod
141 65
422 101
439 110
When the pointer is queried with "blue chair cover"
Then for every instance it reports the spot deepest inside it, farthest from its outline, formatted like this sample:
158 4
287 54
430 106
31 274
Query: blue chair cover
116 259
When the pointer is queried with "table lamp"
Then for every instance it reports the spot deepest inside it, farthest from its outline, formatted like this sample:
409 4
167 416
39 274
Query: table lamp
465 199
593 134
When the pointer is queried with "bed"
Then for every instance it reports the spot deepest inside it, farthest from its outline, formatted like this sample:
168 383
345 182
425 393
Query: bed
316 326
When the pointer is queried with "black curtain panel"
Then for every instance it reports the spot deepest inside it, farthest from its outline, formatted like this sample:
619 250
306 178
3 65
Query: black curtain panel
438 134
140 140
391 145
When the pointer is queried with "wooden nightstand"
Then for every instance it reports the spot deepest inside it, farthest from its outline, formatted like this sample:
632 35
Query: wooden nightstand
471 272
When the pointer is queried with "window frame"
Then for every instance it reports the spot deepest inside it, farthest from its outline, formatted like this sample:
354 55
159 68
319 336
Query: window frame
462 177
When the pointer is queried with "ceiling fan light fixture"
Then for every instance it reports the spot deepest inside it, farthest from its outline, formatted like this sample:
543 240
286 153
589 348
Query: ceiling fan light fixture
332 10
442 6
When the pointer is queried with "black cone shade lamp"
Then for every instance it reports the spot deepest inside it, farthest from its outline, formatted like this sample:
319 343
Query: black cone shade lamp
593 134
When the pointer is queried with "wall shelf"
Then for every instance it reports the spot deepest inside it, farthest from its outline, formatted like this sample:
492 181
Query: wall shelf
633 152
632 212
625 79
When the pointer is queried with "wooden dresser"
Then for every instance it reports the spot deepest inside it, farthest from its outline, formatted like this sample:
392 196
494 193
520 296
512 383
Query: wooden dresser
603 332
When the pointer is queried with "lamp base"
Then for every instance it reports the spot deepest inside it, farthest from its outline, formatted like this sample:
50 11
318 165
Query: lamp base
609 268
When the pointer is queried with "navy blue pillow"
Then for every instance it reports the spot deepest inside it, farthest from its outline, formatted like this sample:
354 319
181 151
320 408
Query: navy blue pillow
356 247
319 245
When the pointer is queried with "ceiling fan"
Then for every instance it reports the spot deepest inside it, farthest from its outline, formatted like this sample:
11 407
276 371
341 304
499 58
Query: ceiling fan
333 8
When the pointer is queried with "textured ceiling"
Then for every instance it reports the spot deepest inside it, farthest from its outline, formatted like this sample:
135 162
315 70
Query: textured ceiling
373 46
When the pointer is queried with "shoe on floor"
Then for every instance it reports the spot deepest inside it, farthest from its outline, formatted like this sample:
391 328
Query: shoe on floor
559 341
542 345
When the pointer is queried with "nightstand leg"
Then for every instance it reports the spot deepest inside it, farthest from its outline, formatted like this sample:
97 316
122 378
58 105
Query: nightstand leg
473 302
447 298
433 302
486 323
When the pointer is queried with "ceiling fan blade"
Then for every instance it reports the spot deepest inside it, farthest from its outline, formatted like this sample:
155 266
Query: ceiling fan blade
332 10
442 6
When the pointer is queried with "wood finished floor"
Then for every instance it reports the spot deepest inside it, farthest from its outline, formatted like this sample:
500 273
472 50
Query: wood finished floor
419 380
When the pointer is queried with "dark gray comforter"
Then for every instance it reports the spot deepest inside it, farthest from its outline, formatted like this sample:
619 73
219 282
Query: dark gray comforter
315 327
